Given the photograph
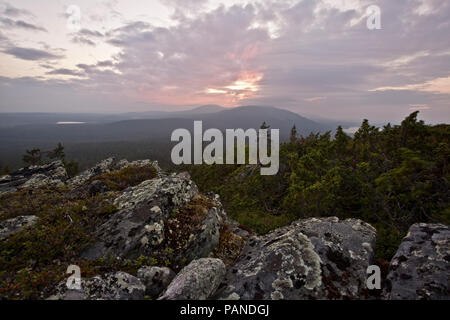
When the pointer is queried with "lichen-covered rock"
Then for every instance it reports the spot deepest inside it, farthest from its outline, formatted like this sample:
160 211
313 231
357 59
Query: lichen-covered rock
421 267
198 281
14 225
155 279
207 238
53 174
310 259
110 165
88 190
139 225
112 286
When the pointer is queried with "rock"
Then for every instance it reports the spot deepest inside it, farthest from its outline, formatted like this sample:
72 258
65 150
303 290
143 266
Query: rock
421 267
112 286
207 239
53 174
14 225
109 165
155 279
88 190
198 281
139 225
310 259
100 168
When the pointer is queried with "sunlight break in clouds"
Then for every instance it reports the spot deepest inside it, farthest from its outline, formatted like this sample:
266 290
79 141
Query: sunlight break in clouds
439 85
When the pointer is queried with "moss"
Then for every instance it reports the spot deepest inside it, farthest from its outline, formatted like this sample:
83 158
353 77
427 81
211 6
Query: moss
260 222
127 177
182 225
230 246
35 259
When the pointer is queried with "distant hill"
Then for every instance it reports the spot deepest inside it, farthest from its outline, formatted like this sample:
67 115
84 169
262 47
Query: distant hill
137 129
146 129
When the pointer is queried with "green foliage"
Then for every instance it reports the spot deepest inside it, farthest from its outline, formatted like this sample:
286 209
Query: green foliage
34 259
390 177
57 153
36 157
4 170
32 157
127 177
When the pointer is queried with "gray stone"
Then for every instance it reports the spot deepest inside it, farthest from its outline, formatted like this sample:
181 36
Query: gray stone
52 174
207 239
88 190
112 286
155 279
14 225
100 168
197 281
421 267
139 225
310 259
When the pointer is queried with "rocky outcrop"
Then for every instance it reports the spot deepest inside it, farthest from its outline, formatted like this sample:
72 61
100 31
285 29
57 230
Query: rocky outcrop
109 165
138 228
53 174
112 286
155 279
198 281
310 259
166 221
421 267
14 225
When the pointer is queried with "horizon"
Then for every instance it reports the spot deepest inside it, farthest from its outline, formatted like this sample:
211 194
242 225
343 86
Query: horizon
317 59
319 119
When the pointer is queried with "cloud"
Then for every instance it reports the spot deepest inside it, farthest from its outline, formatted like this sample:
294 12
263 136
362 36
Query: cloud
9 23
185 5
439 85
66 72
84 41
420 107
91 33
311 56
9 10
31 54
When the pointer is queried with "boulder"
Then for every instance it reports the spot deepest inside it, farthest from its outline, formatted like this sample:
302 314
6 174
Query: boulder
139 225
53 174
14 225
112 286
197 281
421 267
155 279
310 259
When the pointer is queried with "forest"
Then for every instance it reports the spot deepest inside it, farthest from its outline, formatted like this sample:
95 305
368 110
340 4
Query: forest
390 177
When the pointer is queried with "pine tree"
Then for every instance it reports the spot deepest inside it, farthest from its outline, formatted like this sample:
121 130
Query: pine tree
293 136
32 157
57 153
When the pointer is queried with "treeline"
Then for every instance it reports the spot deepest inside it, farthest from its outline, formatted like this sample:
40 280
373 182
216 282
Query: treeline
390 177
36 157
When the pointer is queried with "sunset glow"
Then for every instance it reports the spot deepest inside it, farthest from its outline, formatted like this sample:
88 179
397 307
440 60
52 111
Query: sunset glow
311 57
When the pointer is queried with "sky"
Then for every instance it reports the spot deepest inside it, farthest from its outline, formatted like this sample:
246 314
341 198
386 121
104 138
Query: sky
317 58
